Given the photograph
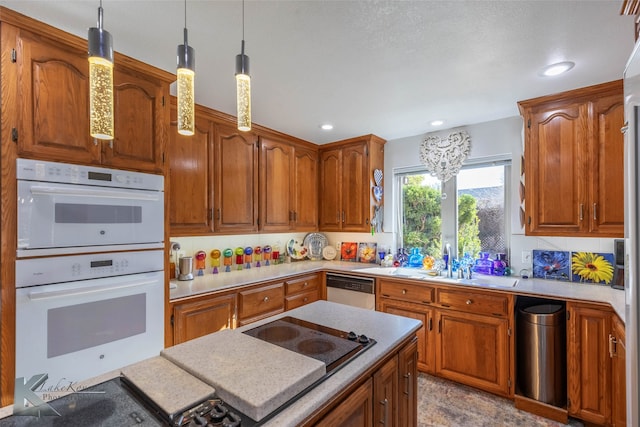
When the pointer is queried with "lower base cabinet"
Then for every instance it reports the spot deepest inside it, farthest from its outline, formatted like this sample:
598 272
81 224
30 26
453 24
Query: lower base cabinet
386 398
618 351
355 411
193 319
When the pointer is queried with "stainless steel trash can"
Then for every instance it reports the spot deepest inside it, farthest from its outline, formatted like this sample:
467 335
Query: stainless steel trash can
541 357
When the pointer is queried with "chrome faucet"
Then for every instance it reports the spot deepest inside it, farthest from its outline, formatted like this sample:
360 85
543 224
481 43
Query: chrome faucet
449 260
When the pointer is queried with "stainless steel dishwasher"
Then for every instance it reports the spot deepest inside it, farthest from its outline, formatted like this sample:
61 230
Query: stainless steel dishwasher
351 290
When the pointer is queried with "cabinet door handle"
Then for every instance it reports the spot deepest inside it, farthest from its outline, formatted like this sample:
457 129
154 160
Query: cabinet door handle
305 284
612 346
430 324
407 378
624 128
305 299
440 326
404 292
580 212
385 413
469 302
266 299
595 212
342 216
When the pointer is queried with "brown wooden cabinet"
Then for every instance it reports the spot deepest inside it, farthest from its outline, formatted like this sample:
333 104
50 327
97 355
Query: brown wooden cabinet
259 302
465 335
385 394
574 162
235 180
202 316
588 363
346 181
617 352
288 186
355 411
52 89
408 385
473 349
191 177
300 291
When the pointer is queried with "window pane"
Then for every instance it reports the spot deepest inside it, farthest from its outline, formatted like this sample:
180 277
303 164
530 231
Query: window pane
481 210
421 213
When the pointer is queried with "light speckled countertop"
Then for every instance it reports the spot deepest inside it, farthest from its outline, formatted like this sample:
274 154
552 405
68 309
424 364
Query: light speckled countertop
534 287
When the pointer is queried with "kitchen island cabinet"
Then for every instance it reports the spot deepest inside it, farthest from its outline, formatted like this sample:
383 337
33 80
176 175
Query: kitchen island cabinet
573 162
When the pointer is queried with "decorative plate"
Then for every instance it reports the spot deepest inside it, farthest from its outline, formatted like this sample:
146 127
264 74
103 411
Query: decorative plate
315 243
296 250
329 253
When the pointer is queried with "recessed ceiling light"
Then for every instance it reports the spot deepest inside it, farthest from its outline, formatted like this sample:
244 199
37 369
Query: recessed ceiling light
557 68
437 123
326 126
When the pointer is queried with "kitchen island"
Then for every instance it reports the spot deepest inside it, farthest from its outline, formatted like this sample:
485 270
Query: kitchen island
263 372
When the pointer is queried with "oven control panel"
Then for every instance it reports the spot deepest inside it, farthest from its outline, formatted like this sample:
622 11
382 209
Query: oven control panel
42 271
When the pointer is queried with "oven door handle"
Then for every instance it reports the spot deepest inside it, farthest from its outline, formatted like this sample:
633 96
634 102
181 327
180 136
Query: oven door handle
93 192
40 295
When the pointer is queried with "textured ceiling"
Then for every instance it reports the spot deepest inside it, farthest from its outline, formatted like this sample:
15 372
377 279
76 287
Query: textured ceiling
382 67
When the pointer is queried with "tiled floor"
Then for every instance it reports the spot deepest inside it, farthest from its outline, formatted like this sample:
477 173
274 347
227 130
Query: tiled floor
447 404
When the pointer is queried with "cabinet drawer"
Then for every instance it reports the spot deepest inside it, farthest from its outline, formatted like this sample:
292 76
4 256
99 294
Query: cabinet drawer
475 302
302 284
406 291
301 299
266 299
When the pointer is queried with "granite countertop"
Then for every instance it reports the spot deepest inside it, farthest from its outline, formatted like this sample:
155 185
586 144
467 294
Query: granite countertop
534 287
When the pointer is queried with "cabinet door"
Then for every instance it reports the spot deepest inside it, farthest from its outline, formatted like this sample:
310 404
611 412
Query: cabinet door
195 319
555 155
276 185
330 190
50 84
236 180
355 188
588 363
474 350
140 122
191 179
607 209
385 394
426 337
305 203
354 411
408 393
618 360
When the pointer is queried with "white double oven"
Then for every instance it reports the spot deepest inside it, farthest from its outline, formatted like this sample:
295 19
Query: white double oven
89 270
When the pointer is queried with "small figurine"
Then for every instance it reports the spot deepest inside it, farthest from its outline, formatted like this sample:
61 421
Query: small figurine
239 257
248 251
228 260
215 260
266 254
201 258
257 255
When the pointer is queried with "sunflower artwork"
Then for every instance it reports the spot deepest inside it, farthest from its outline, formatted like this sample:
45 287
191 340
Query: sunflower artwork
592 267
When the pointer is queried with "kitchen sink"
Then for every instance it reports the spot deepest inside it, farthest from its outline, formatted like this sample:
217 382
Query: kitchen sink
416 273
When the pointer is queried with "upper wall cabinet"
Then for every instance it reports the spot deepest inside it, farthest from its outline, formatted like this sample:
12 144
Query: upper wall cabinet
574 162
288 186
235 180
191 177
50 87
346 182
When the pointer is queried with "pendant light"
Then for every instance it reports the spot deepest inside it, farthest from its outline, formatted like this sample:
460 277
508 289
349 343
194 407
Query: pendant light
100 81
243 86
185 86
